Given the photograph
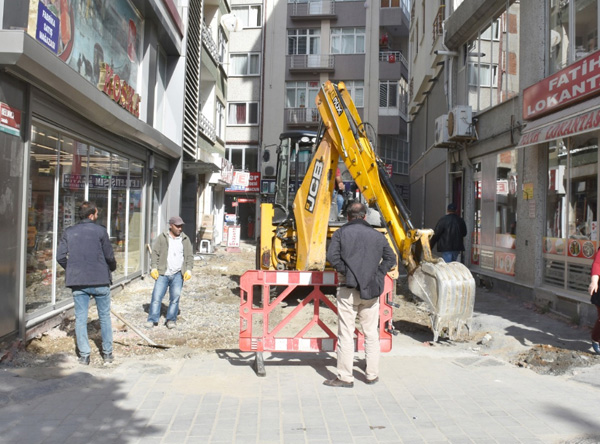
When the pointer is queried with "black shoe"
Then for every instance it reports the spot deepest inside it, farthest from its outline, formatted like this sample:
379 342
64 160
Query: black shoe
84 360
107 357
338 383
372 381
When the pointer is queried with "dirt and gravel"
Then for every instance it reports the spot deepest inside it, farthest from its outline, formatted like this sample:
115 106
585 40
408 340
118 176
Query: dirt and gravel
503 326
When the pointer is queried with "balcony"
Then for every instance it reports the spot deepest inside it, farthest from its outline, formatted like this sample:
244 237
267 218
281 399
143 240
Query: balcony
312 10
210 44
311 63
391 56
207 129
301 117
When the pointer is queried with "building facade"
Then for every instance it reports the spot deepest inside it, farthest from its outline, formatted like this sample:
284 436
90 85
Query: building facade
362 44
92 108
503 124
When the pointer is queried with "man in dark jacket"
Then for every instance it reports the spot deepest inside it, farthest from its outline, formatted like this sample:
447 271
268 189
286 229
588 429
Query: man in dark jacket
448 236
362 257
172 262
87 256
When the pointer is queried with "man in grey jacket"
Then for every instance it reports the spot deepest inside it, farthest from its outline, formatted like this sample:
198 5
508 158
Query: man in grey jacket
362 257
87 256
171 255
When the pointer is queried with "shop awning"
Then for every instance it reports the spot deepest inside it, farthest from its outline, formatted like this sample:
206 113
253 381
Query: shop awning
578 119
200 167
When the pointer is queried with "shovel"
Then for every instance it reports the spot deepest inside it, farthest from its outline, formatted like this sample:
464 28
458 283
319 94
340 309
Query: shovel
150 342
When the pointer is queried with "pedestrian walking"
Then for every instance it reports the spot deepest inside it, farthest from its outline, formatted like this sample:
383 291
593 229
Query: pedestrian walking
448 235
86 254
171 254
362 257
595 299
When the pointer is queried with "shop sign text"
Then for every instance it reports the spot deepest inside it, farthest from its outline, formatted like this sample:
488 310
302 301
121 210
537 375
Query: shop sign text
118 90
10 120
244 182
569 127
572 84
47 28
99 181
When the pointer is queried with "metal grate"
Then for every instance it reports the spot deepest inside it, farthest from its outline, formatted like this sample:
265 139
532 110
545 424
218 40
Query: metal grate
192 80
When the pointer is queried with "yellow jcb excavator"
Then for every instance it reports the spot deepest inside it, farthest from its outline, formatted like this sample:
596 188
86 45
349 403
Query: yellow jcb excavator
294 237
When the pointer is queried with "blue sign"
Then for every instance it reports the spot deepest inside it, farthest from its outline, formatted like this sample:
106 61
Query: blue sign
47 28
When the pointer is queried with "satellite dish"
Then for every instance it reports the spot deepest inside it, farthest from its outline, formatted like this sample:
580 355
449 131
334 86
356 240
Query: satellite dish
231 22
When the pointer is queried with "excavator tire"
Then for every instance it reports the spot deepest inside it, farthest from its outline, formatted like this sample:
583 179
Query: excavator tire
449 291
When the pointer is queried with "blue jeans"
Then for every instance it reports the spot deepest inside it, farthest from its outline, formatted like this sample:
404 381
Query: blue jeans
174 283
82 296
339 199
450 256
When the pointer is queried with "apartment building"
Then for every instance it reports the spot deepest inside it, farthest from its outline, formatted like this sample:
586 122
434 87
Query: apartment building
206 170
503 107
284 54
91 98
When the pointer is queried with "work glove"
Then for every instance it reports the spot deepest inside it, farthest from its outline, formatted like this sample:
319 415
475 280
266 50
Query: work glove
154 274
187 275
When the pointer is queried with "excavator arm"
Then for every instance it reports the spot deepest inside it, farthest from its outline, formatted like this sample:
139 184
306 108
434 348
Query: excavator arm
448 289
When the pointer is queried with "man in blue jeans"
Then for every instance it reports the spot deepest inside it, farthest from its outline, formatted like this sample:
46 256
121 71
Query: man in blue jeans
87 256
171 254
448 236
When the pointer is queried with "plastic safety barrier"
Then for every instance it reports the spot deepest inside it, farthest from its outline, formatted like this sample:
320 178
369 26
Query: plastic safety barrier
262 292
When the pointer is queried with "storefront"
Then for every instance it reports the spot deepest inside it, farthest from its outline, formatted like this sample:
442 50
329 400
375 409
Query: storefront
71 131
566 130
241 201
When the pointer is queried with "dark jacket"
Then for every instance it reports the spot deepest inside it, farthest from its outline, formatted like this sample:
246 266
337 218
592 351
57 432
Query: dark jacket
160 252
449 233
363 255
86 255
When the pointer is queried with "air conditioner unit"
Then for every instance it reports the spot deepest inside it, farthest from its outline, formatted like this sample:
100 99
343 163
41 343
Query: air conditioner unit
441 130
460 123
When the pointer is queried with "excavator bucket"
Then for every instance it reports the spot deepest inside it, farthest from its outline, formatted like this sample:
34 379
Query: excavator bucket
449 290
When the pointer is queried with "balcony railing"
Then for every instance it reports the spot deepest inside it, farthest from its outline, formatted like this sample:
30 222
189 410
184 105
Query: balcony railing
302 116
302 9
207 128
438 22
210 44
310 61
392 57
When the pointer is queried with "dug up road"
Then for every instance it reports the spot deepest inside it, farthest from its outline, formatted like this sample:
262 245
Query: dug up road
504 327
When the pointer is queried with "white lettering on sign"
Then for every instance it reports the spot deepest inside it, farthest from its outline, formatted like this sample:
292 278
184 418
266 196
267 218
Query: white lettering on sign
314 186
49 18
8 113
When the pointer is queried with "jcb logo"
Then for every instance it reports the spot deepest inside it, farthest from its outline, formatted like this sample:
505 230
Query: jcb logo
314 186
337 105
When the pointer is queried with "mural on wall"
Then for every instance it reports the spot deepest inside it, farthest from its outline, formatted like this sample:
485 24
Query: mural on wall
90 33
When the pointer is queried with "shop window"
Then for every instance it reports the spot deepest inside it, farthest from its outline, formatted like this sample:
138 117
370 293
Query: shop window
134 217
71 193
155 213
63 173
40 217
571 236
495 213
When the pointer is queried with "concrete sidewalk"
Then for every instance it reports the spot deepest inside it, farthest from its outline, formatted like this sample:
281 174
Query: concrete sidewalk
425 395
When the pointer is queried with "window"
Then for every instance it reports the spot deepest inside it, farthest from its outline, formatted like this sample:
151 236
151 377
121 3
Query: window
483 74
348 40
492 32
390 3
393 150
304 41
251 15
222 44
243 113
245 64
301 94
220 127
356 88
388 94
490 61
